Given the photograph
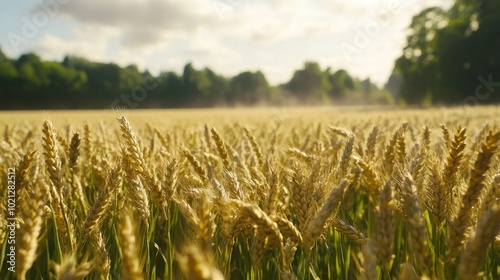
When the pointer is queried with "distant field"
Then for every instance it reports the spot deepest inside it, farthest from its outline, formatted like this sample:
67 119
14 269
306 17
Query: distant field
227 115
265 193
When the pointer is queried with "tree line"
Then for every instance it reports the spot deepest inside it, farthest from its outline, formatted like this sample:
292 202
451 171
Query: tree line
28 82
451 57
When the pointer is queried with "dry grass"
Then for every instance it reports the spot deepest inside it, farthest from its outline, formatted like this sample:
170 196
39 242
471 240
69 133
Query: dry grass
254 194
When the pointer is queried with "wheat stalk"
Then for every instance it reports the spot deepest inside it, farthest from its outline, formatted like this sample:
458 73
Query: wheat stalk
130 264
68 269
469 200
31 213
475 250
384 233
195 266
314 227
369 263
415 221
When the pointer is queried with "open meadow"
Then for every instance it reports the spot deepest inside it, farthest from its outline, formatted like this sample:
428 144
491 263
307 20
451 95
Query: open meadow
302 193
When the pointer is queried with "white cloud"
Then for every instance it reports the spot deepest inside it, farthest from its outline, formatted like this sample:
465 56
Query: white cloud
204 42
276 36
142 22
88 41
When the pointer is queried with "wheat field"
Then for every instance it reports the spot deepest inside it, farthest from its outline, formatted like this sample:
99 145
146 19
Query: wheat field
311 193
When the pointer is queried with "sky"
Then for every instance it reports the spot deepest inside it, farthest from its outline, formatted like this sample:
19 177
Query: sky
363 37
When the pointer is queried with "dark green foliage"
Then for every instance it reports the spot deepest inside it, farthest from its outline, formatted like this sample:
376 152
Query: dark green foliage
453 57
310 84
77 83
248 88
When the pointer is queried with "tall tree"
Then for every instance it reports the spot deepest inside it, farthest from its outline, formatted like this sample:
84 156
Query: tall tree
7 69
418 63
218 89
310 84
341 83
248 88
453 56
393 85
195 85
469 51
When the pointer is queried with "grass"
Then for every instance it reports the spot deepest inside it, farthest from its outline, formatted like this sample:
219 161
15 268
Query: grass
310 193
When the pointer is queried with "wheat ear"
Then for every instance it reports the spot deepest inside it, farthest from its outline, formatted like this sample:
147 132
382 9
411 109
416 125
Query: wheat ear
68 269
371 143
470 199
221 148
416 224
53 167
475 251
255 146
23 171
130 264
370 178
95 215
314 227
31 213
349 231
194 265
74 151
384 235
